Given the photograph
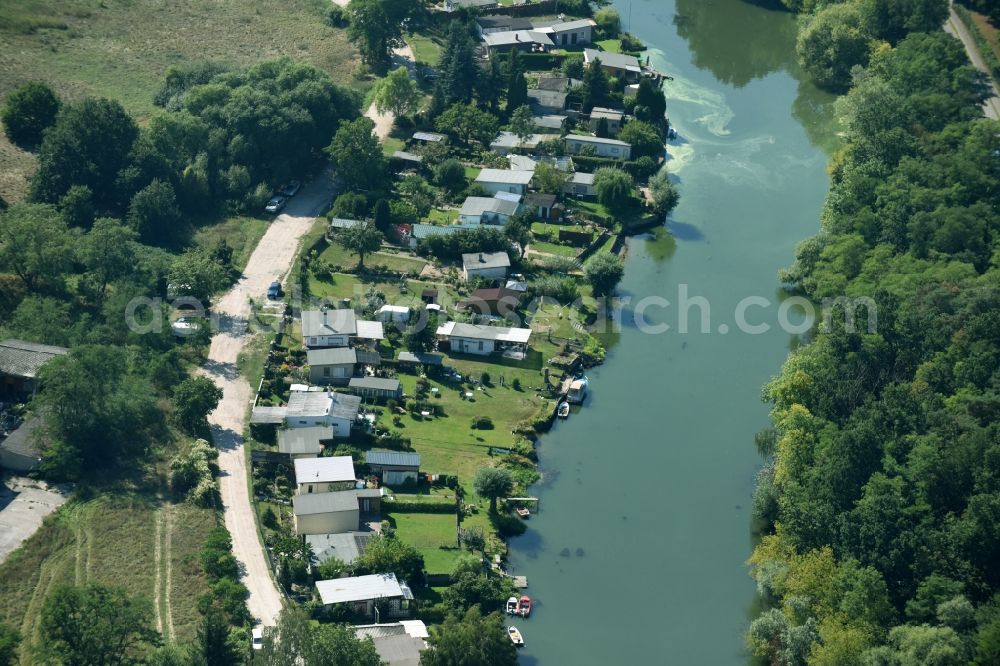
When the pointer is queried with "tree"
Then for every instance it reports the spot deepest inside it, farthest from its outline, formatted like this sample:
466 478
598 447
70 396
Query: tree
604 272
613 187
97 414
95 625
35 245
361 240
88 145
517 92
608 22
296 640
518 228
892 20
197 274
30 110
397 94
382 216
450 175
375 31
357 155
596 89
194 399
650 101
421 335
154 214
644 139
351 205
214 642
832 42
490 86
467 122
10 640
493 483
387 554
470 640
457 68
522 123
108 251
602 130
549 179
664 192
77 207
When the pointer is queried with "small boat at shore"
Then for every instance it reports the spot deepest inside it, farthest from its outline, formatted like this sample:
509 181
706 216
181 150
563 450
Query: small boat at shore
511 607
523 513
515 636
578 390
524 606
563 410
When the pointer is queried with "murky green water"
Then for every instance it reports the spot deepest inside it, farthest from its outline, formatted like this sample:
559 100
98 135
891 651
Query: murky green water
638 553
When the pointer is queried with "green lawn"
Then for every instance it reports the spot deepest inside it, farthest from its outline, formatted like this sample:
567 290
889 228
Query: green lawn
111 541
391 145
433 534
242 234
553 248
120 50
610 45
336 255
471 173
438 216
426 49
342 285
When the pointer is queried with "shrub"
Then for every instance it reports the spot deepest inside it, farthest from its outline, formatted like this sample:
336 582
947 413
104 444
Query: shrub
516 384
482 423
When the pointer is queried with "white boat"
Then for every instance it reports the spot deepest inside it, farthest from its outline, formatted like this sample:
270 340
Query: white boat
511 607
577 391
515 636
563 410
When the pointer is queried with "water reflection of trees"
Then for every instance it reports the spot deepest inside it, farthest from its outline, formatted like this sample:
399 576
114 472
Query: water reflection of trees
736 40
742 40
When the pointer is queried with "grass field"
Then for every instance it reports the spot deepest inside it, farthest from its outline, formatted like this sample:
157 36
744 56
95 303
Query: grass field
120 49
354 287
130 541
433 534
426 48
336 255
552 248
242 234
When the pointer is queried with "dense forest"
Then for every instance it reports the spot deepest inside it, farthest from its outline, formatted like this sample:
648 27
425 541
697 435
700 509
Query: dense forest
879 504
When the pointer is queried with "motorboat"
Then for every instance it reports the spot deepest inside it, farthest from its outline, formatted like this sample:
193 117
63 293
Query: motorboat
577 390
515 636
563 410
524 606
523 512
511 607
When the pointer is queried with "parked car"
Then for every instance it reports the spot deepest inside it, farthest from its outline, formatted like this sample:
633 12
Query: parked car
291 189
257 642
274 292
185 326
275 204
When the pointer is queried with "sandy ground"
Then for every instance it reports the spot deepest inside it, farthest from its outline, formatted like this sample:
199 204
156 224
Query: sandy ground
24 503
955 27
271 260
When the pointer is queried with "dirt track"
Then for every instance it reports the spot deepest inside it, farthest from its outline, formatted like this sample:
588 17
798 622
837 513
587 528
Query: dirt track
955 26
271 260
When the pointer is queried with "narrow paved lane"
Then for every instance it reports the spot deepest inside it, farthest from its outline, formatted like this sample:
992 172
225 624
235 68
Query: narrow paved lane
956 28
271 260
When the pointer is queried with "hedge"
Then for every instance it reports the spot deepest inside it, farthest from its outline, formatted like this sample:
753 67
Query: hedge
396 506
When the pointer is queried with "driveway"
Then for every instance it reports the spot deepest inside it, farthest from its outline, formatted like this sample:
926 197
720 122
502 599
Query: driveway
271 260
956 28
24 503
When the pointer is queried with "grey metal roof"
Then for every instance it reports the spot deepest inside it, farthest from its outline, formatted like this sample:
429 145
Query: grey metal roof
344 223
581 138
318 403
313 503
522 162
23 440
540 199
554 83
345 547
426 359
549 99
377 383
550 121
433 137
342 356
361 588
268 415
514 37
613 60
393 458
19 358
581 178
481 260
476 206
408 157
399 650
567 26
294 441
328 322
609 114
505 176
478 332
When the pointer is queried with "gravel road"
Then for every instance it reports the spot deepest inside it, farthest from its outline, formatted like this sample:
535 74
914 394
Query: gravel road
271 260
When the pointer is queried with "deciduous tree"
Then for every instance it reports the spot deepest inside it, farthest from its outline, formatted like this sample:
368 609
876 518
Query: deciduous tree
30 110
493 483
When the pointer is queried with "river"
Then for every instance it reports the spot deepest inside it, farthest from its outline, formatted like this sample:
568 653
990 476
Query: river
638 553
